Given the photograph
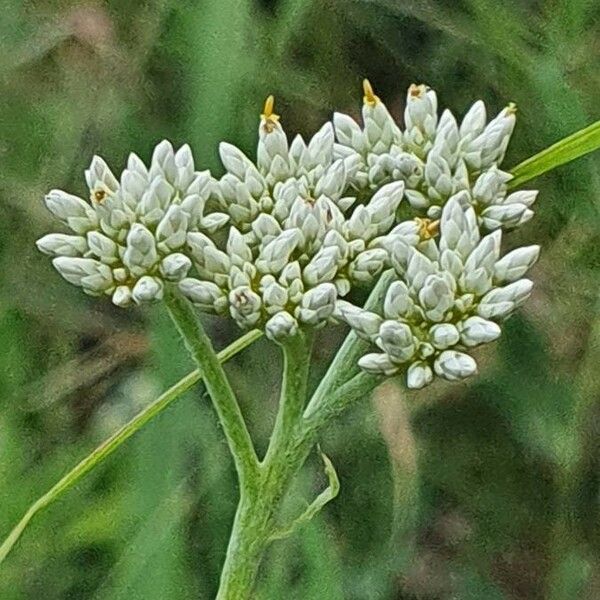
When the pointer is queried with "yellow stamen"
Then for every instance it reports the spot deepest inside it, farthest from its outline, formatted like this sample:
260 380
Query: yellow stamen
369 98
268 117
427 228
511 109
99 195
416 91
269 104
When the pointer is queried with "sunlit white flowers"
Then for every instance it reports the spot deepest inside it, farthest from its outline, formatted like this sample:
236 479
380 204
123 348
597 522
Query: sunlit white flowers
298 242
450 296
128 238
435 157
309 221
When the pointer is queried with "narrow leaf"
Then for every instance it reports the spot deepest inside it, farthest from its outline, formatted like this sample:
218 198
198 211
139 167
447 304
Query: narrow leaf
105 449
568 149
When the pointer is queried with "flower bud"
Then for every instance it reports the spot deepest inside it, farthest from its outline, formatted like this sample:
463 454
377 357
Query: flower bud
280 326
72 211
172 229
276 254
364 323
140 254
397 340
476 330
419 375
378 364
367 265
515 264
317 304
444 336
204 294
175 267
348 132
92 275
454 366
59 244
245 306
500 302
122 296
148 289
163 162
103 247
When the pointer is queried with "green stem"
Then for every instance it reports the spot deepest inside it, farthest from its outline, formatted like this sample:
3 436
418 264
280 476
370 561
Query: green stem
333 404
254 520
568 149
345 363
104 450
294 436
296 365
247 544
217 385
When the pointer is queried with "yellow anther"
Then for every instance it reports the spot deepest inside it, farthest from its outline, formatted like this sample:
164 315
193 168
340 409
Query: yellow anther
369 98
427 228
98 195
511 109
269 105
416 91
268 117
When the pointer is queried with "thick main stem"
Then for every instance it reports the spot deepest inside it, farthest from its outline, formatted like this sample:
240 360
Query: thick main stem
263 485
247 544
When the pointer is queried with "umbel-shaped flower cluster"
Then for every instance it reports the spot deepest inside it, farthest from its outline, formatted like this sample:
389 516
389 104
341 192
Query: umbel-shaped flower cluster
450 296
295 244
435 158
128 239
308 221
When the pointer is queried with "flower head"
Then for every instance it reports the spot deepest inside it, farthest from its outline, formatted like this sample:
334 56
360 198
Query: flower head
298 242
129 238
451 295
435 157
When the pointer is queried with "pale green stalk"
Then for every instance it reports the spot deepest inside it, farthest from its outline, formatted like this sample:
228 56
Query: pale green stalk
105 449
217 385
254 520
293 438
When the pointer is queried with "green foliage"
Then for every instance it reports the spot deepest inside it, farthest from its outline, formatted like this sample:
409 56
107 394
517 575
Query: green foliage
505 505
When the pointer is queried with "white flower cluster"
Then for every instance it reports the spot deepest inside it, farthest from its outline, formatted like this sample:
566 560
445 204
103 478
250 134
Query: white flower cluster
435 158
128 239
310 220
293 247
449 297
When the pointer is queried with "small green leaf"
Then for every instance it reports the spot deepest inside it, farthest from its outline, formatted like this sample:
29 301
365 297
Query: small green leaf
316 505
578 144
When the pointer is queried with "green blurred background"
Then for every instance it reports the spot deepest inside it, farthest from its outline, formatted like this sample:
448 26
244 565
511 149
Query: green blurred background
488 490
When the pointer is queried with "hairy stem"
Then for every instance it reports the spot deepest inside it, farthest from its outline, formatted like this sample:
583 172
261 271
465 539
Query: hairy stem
254 520
104 450
296 365
344 365
217 385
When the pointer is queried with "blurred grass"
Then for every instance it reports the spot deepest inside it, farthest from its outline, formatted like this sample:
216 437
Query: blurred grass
506 501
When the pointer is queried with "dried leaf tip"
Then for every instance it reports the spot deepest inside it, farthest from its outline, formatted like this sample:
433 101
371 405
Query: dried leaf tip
369 96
